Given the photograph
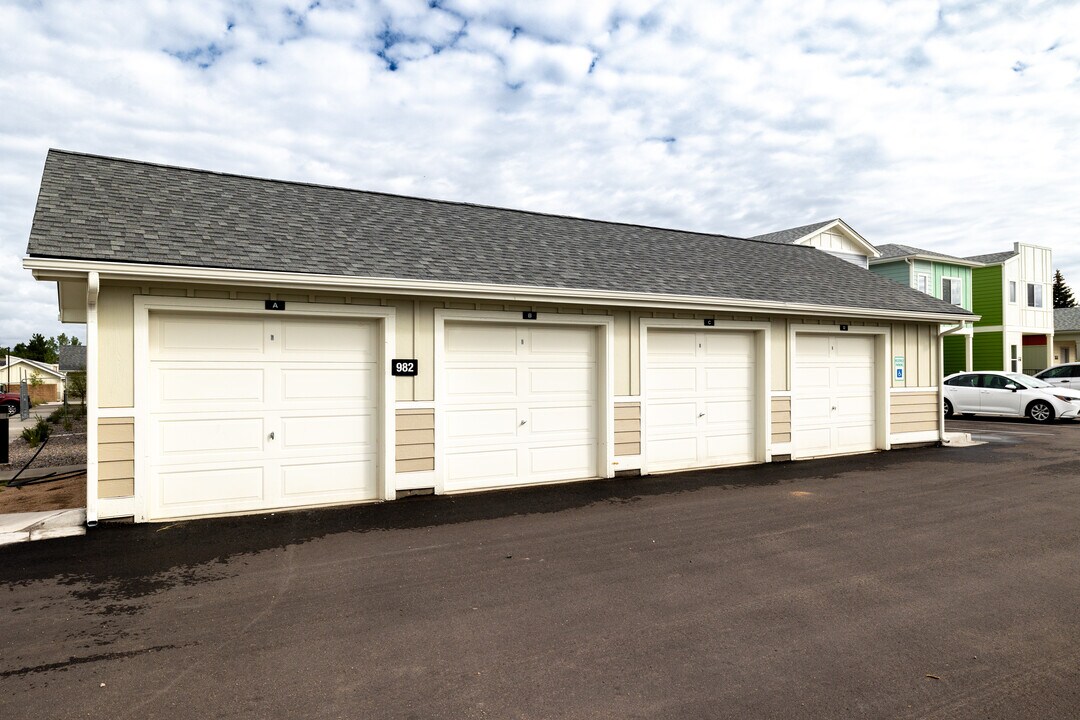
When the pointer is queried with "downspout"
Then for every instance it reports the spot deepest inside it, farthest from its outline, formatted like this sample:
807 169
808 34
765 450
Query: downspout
941 379
93 287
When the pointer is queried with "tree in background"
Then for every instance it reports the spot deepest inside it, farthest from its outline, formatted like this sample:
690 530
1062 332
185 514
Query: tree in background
40 348
76 385
1063 295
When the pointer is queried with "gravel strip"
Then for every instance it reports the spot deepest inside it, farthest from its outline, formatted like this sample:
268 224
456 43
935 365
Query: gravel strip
64 448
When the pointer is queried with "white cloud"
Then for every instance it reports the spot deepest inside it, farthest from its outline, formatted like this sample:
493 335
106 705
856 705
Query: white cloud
947 125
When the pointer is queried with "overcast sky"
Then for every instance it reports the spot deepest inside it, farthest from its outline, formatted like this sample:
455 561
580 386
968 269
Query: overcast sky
945 125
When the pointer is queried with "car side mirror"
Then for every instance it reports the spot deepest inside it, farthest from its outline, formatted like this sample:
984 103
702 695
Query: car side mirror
1012 387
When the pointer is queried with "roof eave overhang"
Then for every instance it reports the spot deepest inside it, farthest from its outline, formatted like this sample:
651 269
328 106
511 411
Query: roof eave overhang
930 258
60 269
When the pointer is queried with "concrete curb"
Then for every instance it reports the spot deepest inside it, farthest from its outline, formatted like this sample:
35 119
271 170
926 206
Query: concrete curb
960 440
26 527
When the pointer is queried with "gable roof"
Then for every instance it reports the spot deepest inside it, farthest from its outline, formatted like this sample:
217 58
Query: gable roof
893 251
72 357
93 208
1067 320
993 258
43 367
792 235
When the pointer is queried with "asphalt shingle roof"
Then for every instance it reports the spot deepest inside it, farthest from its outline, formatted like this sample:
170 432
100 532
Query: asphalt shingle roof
893 250
106 209
1067 320
992 258
792 234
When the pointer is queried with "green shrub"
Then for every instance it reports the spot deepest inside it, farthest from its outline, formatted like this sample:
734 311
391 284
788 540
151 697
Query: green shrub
67 414
36 433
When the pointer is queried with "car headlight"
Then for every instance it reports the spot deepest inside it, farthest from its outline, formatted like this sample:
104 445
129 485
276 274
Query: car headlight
1062 398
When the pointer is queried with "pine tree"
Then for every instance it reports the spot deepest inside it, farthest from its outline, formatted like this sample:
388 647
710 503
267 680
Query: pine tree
1063 295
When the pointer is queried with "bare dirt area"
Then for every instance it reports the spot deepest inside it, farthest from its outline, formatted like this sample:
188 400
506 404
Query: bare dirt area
64 447
41 496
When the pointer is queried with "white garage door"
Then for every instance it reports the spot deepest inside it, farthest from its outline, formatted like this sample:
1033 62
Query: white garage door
519 404
833 409
700 399
251 413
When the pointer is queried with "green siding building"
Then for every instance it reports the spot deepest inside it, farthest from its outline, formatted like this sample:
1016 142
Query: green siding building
947 278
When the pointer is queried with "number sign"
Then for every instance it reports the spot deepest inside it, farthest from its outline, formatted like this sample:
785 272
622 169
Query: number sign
407 367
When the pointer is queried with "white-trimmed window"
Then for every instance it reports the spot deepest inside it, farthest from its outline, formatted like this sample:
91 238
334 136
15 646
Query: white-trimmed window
1012 292
922 282
1035 295
952 291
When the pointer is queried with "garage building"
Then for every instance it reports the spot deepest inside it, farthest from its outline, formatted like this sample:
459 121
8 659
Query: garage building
257 344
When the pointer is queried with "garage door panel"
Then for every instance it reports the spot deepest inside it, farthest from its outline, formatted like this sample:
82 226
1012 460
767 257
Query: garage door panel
671 416
736 346
216 396
328 340
478 339
666 453
315 481
199 491
549 382
672 380
727 449
345 433
355 385
700 408
574 459
181 439
576 419
481 384
178 386
481 468
199 337
550 343
667 345
728 379
834 395
518 404
481 424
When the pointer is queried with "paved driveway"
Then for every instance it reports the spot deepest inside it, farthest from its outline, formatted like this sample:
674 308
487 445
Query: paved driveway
915 584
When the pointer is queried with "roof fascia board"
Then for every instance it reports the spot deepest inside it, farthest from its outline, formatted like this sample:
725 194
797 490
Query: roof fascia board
931 258
15 360
61 268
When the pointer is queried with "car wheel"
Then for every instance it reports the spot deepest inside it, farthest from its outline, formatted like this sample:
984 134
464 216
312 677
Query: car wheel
1040 411
948 409
11 410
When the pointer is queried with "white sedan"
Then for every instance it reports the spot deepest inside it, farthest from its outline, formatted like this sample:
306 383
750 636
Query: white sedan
1004 393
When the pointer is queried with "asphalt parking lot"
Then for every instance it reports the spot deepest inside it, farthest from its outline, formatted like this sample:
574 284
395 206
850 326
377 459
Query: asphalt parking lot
926 583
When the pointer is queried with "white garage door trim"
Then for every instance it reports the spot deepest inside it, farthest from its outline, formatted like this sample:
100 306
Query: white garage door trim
762 378
144 305
605 326
882 381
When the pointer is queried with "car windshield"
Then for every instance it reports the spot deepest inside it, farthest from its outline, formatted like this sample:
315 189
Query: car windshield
1027 380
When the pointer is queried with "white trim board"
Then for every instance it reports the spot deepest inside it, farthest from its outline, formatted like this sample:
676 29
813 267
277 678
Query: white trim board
145 304
64 269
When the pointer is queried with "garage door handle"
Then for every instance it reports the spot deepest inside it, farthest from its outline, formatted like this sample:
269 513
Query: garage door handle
271 436
701 414
521 423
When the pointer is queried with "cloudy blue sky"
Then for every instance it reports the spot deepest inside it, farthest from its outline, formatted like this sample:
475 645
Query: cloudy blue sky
947 125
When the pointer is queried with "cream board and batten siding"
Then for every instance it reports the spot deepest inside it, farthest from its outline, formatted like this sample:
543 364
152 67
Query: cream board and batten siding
414 322
838 244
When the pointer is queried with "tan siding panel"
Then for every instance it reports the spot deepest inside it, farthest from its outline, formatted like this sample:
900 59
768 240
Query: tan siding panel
116 487
116 469
781 437
116 451
625 437
915 398
781 427
627 411
414 437
414 452
781 417
116 347
633 425
417 465
115 433
627 449
415 422
921 426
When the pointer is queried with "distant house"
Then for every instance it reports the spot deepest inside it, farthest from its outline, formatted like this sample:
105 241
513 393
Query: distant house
1066 335
945 277
1011 291
835 237
50 380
